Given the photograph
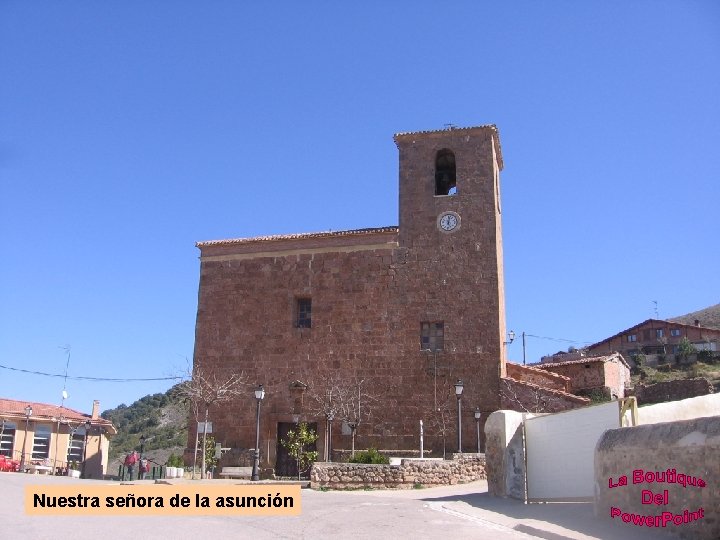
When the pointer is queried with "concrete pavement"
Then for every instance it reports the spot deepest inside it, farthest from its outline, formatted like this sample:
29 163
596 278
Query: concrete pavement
461 511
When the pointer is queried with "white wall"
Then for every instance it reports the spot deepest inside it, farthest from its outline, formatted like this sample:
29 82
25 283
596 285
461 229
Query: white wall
685 409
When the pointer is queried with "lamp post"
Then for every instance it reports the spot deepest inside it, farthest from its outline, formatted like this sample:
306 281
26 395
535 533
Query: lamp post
478 415
330 417
28 414
142 445
458 394
259 396
88 425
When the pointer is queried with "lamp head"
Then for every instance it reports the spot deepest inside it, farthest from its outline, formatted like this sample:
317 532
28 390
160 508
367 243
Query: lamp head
459 387
260 393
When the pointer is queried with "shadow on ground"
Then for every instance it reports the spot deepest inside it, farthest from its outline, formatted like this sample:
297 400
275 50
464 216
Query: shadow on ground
552 521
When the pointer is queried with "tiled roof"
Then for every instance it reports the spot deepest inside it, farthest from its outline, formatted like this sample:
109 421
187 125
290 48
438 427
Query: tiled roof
536 368
327 234
559 393
449 128
585 360
45 411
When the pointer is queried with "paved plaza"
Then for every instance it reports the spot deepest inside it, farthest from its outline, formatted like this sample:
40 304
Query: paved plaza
457 512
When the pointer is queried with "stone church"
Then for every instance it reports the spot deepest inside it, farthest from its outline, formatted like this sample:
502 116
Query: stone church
382 320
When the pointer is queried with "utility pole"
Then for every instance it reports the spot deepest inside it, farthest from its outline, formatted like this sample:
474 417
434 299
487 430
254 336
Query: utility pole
523 348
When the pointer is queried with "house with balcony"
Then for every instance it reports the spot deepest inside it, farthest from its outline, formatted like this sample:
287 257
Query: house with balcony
658 340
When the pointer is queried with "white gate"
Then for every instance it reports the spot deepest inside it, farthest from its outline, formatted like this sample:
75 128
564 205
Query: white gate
560 450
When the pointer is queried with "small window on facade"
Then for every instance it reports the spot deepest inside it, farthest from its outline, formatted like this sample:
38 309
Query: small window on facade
7 437
304 313
41 442
432 336
675 332
632 338
659 333
445 178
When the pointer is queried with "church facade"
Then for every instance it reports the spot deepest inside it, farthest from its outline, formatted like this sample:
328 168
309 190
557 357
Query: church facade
384 319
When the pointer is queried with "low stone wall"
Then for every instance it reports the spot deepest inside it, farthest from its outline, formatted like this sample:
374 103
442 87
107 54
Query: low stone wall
672 390
408 474
638 480
342 455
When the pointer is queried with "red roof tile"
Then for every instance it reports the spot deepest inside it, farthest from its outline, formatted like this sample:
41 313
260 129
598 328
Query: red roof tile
375 230
45 411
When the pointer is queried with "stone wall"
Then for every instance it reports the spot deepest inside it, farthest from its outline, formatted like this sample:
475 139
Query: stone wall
672 390
688 447
410 473
505 454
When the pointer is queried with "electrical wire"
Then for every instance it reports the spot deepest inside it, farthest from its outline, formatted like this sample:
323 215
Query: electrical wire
96 379
559 339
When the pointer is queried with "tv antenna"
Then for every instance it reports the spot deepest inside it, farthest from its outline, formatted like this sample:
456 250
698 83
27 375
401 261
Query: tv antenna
66 348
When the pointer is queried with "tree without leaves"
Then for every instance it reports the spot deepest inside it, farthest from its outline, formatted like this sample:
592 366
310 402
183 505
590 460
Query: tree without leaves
205 388
347 398
536 403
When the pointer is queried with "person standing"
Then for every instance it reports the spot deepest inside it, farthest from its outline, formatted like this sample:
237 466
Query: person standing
130 461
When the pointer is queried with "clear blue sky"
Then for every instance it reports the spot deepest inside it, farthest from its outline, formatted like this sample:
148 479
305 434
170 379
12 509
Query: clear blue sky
130 130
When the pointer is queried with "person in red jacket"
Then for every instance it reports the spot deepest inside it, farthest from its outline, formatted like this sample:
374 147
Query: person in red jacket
130 461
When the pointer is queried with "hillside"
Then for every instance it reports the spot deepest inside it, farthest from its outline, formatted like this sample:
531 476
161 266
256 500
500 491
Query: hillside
709 317
161 418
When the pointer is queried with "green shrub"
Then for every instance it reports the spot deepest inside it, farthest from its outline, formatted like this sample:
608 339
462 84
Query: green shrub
175 461
370 455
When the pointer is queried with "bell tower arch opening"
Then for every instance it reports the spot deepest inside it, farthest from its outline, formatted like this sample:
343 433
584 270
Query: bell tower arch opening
445 173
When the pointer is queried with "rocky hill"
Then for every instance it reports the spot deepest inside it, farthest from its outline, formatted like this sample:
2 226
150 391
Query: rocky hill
709 317
161 418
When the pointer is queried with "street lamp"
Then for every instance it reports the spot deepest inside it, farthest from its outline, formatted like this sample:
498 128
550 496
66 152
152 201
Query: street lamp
142 445
478 415
458 394
330 417
511 337
28 414
88 425
259 396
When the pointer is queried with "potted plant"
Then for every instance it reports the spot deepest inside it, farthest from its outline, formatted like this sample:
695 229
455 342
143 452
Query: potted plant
73 470
174 468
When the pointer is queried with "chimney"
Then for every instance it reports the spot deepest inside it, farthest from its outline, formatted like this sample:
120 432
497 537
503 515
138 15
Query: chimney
95 410
697 322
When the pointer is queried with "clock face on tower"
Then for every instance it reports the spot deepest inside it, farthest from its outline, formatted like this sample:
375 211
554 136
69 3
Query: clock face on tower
448 221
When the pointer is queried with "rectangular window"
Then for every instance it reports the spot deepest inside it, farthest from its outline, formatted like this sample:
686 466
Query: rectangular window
675 332
7 437
41 442
304 313
76 442
432 336
632 338
659 333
